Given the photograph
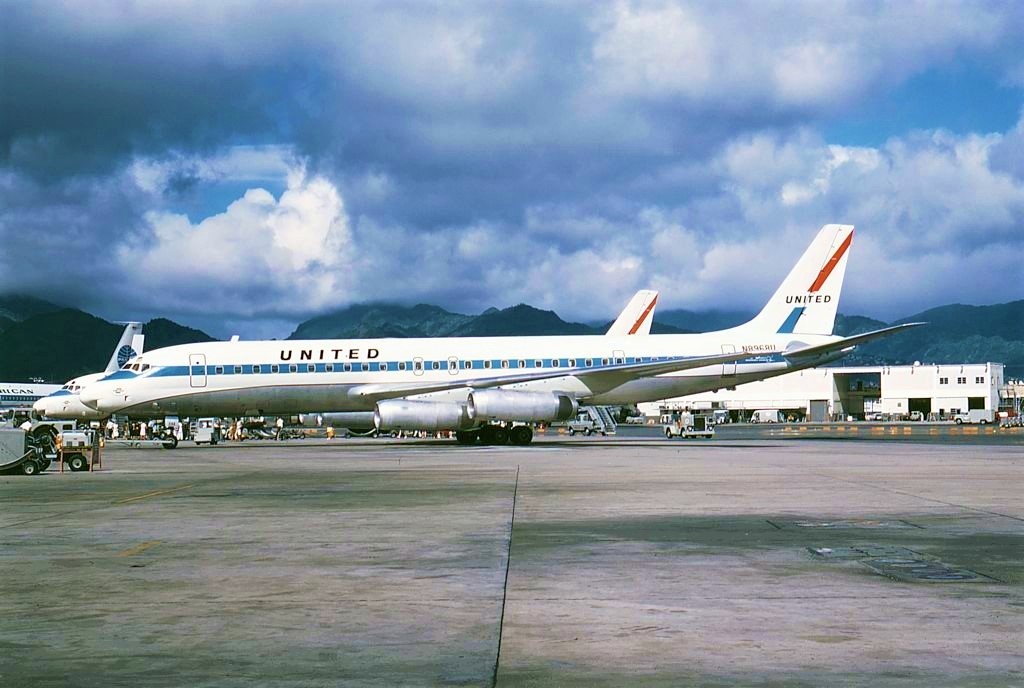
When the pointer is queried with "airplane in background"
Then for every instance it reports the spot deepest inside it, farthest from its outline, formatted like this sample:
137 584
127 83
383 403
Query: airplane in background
65 404
638 315
470 384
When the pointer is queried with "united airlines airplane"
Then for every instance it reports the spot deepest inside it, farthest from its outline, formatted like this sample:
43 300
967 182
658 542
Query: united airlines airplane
65 404
480 386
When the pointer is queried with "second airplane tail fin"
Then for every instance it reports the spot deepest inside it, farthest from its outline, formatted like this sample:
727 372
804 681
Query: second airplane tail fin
807 300
637 316
125 349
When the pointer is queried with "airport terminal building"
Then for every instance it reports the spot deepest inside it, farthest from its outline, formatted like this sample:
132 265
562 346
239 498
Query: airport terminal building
930 392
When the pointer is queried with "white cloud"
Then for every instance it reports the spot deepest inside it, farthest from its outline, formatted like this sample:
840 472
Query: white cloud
261 254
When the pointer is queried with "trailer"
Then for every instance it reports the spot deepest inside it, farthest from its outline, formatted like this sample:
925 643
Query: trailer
690 425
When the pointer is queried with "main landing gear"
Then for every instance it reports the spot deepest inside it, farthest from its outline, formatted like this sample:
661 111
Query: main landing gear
497 435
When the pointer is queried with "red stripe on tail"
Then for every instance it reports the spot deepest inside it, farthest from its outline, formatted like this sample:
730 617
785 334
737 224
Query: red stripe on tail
831 264
643 316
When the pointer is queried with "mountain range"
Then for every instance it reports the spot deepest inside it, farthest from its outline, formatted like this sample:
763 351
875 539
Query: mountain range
39 339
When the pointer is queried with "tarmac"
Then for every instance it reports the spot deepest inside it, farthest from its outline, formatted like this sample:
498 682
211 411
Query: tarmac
631 560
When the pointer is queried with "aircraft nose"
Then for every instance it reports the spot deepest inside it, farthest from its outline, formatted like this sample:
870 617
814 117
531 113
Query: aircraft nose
90 398
41 406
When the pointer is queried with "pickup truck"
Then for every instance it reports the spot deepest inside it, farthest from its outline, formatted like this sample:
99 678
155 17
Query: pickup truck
585 425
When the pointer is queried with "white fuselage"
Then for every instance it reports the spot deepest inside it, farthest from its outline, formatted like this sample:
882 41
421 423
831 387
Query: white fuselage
283 377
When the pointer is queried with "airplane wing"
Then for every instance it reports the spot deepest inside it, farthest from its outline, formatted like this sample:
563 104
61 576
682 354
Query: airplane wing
844 344
596 379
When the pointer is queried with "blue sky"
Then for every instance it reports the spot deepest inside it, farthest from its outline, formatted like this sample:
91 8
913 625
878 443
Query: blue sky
239 167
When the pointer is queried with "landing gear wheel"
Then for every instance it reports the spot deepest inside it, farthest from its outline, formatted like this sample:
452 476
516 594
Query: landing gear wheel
466 437
77 462
170 441
521 435
499 436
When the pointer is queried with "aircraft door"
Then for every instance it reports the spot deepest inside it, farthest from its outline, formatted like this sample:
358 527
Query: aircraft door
729 368
197 370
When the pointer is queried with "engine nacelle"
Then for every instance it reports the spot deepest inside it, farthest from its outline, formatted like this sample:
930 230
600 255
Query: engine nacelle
402 414
529 407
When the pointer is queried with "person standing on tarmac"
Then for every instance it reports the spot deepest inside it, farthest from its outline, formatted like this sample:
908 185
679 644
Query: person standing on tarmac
280 427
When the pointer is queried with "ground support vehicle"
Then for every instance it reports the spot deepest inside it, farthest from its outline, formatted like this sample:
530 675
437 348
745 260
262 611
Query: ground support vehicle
20 453
591 419
78 449
206 431
980 416
689 425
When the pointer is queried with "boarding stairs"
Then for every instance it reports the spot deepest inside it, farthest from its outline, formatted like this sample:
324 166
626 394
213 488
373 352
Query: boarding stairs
602 417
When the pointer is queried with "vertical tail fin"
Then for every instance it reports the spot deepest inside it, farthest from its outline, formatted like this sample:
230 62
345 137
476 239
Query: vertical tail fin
806 301
125 351
637 316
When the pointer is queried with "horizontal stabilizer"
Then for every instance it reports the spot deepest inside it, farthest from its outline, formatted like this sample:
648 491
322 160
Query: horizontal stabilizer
845 344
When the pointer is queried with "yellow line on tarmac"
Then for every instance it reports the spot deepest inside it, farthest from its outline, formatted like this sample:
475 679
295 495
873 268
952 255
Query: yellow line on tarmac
154 494
138 549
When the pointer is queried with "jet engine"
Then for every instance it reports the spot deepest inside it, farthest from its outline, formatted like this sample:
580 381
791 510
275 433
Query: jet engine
402 414
529 407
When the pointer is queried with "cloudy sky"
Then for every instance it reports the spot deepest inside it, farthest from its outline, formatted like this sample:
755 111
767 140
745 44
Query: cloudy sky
240 166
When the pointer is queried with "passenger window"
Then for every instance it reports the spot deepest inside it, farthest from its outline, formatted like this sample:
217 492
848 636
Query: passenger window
274 368
293 368
435 365
538 363
589 362
487 363
310 368
522 363
572 362
329 367
453 364
469 364
554 362
604 361
382 366
238 370
347 367
504 364
256 369
417 365
364 366
620 360
401 365
219 370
